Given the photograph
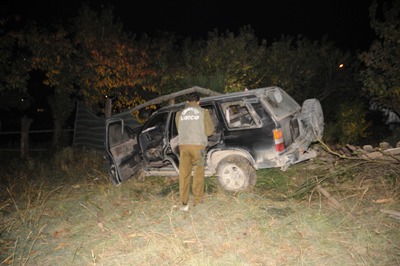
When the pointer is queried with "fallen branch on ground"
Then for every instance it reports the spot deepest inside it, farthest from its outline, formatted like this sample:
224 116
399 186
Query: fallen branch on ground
331 199
393 214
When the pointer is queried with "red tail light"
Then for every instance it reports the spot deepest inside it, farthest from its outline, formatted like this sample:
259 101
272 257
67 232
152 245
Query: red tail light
278 138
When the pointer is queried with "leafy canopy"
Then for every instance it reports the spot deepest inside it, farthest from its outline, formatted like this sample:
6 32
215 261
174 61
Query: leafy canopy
381 77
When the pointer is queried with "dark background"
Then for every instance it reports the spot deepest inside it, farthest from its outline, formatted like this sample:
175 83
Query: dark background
346 23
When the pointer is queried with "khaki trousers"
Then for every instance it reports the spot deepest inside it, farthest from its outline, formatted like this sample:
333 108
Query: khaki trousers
192 157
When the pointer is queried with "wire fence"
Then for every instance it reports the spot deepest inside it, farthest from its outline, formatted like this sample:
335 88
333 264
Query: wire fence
39 140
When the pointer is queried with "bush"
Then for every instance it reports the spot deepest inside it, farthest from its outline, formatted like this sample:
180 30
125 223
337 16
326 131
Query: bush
351 123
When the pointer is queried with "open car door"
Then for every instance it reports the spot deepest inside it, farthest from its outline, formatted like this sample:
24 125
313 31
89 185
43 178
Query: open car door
122 149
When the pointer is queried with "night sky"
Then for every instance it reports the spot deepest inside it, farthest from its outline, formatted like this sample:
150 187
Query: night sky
346 23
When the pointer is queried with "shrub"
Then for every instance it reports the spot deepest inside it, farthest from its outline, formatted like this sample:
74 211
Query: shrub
351 123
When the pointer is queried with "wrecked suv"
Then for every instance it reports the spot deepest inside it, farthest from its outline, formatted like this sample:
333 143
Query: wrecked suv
254 129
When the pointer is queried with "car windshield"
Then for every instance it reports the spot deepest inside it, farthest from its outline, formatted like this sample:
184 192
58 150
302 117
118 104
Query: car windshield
280 104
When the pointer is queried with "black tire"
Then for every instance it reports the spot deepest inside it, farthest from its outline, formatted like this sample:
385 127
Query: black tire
312 118
235 173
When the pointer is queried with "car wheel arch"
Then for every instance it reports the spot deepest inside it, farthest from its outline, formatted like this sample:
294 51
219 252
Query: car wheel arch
216 156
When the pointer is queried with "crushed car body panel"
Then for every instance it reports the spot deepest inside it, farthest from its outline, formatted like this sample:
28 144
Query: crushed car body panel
255 129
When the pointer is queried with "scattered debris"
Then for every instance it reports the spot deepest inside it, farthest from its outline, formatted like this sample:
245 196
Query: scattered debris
331 199
384 155
384 152
393 214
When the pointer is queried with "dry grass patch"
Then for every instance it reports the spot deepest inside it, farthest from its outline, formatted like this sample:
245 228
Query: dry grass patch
65 211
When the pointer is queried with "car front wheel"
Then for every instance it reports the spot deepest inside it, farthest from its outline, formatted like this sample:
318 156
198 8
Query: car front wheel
235 173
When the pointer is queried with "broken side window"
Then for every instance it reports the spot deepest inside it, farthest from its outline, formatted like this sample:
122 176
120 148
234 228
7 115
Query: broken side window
238 114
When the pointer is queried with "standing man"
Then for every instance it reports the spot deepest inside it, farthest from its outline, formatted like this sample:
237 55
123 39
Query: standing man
194 126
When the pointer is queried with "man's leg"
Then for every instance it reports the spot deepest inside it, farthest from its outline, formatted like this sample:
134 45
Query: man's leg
185 169
199 163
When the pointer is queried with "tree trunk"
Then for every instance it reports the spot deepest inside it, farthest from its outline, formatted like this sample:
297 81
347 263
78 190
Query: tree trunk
108 108
25 125
58 134
61 106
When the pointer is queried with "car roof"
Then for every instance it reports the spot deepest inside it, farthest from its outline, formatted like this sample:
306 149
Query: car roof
221 97
257 92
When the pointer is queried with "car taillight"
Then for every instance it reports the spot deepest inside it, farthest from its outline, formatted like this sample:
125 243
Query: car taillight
278 138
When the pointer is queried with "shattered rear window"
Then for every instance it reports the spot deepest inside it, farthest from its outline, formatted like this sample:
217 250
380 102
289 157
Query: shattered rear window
280 104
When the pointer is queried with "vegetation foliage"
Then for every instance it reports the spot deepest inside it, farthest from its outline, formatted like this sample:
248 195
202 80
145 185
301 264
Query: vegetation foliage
352 124
92 58
381 76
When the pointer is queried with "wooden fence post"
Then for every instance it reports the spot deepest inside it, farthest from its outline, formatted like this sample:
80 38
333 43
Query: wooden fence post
25 125
108 108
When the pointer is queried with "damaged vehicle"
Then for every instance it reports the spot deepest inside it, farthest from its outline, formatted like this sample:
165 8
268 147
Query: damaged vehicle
254 129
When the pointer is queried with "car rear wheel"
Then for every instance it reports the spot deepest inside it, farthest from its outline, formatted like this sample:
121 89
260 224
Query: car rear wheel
312 118
235 173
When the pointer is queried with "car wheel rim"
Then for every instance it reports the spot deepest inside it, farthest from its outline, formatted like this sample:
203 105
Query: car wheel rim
233 177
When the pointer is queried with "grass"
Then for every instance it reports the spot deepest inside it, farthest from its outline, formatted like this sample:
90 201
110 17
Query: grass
65 211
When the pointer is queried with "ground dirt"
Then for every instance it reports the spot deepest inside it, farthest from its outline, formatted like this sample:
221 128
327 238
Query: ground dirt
65 211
